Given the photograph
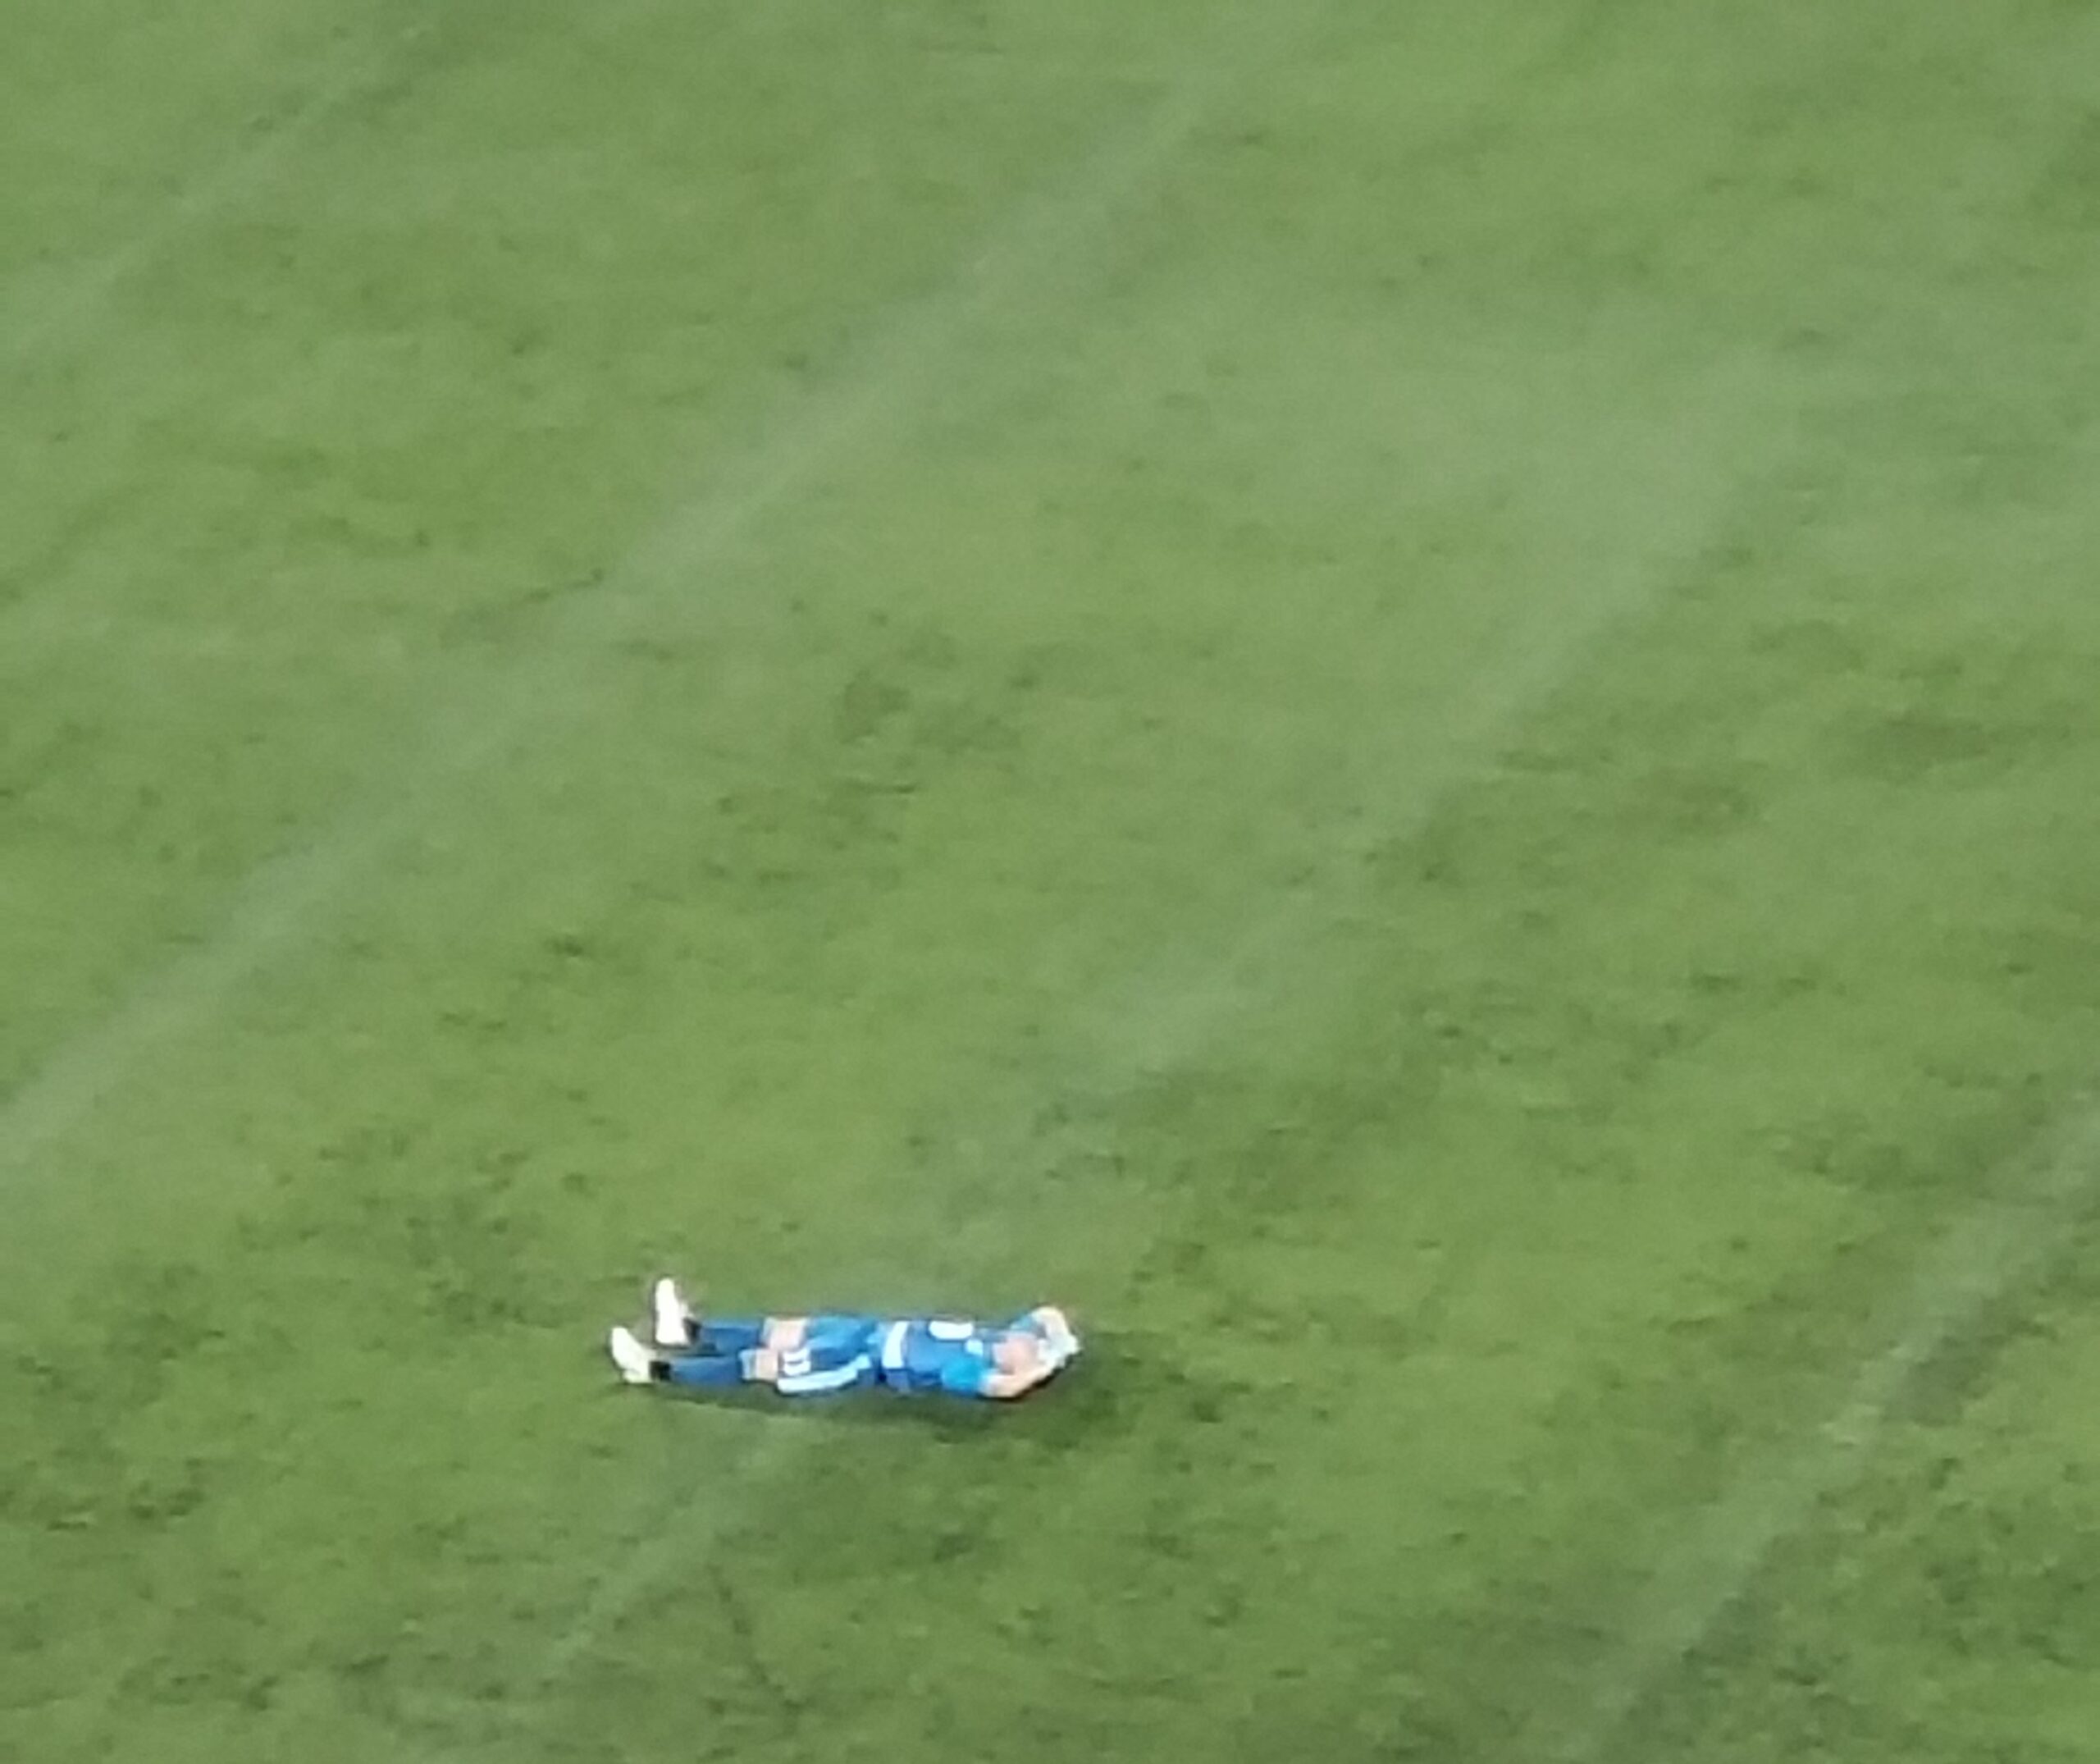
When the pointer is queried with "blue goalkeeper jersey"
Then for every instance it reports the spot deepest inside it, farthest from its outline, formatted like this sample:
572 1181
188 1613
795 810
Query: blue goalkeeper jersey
952 1357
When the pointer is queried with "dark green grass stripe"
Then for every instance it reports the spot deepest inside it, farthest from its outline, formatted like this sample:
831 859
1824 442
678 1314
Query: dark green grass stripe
548 672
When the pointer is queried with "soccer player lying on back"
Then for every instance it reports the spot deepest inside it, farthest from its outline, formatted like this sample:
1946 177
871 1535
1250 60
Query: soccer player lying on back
811 1356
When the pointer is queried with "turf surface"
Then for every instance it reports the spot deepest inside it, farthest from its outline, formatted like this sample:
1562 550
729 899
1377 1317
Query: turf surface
1405 695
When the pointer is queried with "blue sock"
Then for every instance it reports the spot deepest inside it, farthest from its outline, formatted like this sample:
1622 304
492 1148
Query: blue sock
713 1370
729 1335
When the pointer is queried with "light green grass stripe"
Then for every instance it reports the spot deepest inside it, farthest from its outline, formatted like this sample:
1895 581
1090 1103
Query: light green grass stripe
1995 1251
1038 254
1182 1008
61 314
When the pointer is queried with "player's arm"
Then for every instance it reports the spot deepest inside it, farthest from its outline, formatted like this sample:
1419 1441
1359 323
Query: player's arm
998 1383
1004 1387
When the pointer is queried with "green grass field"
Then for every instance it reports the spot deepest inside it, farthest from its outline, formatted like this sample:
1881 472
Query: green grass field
1403 694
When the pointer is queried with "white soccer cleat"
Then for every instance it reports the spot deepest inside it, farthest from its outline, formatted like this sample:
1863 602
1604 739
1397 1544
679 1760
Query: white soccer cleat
673 1316
635 1362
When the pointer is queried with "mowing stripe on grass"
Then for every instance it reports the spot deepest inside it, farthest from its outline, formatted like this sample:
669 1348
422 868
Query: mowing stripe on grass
61 312
1039 251
1995 1251
1172 1015
1176 1011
